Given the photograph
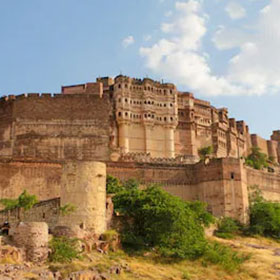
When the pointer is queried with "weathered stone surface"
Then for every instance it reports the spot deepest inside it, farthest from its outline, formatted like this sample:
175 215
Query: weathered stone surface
33 237
84 186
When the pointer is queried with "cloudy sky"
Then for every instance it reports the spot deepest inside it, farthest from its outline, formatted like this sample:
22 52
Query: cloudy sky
225 51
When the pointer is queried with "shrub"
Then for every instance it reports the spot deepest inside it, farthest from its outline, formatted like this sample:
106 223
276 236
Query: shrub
64 249
67 209
25 201
264 215
257 159
217 253
265 218
205 152
199 209
110 235
113 185
160 220
227 227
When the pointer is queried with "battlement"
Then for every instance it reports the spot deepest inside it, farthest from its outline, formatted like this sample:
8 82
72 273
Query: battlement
146 82
147 158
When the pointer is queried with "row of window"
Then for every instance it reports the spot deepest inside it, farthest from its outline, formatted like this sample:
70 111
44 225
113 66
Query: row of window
221 134
157 90
146 116
148 102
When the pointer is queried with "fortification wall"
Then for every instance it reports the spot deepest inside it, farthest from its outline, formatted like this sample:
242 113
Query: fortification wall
51 128
41 179
268 183
44 211
221 183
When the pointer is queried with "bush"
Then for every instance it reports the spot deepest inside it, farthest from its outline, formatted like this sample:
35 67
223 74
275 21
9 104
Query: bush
265 218
199 209
257 159
67 209
264 215
160 220
25 201
113 185
64 249
227 227
217 253
205 152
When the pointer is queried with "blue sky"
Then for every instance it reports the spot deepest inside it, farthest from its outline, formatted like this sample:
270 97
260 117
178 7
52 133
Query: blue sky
224 51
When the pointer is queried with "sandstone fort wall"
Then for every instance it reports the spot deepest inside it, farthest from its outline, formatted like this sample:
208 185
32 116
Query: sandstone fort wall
40 179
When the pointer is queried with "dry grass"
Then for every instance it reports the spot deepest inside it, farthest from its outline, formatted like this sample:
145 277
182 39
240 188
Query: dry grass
263 265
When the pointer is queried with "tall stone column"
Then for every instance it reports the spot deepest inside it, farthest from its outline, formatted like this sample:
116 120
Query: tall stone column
148 139
169 142
124 136
84 186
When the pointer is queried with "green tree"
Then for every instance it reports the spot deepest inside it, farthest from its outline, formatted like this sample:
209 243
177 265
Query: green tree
257 159
24 202
113 185
160 220
205 152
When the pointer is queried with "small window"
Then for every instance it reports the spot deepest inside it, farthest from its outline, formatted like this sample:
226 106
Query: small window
120 114
120 85
171 105
44 215
232 175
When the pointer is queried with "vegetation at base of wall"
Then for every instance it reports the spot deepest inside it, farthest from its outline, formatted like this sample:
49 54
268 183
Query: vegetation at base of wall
217 253
110 235
171 228
257 159
67 209
227 228
160 221
113 185
25 201
264 215
64 249
205 152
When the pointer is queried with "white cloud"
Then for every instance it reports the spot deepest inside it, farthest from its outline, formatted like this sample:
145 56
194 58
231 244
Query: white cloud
254 69
128 41
178 58
235 10
257 65
225 38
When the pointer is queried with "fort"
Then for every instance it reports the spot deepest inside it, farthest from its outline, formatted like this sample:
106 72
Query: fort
137 128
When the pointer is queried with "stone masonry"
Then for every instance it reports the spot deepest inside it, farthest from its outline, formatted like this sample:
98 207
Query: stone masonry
138 128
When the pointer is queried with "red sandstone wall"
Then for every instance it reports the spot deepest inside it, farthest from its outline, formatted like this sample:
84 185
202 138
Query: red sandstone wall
40 179
49 128
269 183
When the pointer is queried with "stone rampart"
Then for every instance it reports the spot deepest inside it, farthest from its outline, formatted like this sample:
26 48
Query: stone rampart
40 179
45 211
